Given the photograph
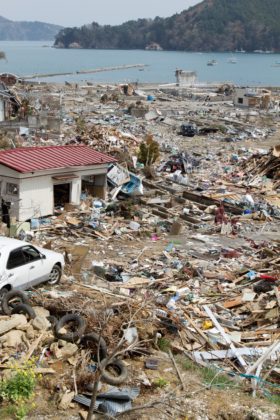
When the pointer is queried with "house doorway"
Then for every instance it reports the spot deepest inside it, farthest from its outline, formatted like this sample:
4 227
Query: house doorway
61 193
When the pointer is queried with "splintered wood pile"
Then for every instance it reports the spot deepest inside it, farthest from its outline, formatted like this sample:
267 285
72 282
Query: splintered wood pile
265 165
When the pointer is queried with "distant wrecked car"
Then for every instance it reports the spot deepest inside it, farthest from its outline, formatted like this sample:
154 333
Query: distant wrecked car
23 265
189 130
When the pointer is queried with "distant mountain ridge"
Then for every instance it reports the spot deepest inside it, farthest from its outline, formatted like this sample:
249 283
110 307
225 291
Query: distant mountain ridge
27 31
211 25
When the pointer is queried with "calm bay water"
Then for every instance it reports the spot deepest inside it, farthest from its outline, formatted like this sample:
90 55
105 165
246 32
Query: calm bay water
26 58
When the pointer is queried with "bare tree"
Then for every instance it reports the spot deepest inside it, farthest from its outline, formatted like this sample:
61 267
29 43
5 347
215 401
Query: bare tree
121 347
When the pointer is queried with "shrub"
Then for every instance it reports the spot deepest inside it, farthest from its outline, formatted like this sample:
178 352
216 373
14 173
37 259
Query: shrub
19 388
160 383
148 151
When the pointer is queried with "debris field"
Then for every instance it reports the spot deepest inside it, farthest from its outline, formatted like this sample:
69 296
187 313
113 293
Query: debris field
169 304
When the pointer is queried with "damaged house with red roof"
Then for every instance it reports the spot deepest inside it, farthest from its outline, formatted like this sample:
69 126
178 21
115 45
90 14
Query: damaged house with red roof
34 181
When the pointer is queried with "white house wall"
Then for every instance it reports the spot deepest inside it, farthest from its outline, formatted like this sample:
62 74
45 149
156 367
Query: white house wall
36 198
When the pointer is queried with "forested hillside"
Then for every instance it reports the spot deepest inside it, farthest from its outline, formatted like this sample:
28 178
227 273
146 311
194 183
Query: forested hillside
212 25
27 31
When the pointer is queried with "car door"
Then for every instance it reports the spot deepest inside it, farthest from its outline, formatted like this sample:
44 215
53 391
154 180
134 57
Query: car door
16 270
37 266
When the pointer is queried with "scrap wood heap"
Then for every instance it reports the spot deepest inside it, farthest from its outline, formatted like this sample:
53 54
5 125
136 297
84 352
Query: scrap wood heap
189 313
105 316
244 304
267 165
106 139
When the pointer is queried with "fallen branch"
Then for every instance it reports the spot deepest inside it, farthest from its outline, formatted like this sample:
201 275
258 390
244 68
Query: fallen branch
177 369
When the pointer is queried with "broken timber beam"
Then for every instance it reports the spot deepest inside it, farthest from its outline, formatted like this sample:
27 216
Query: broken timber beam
203 199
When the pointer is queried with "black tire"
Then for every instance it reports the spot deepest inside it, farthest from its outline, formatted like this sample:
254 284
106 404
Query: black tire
55 275
77 331
119 367
7 305
23 308
90 341
3 292
53 320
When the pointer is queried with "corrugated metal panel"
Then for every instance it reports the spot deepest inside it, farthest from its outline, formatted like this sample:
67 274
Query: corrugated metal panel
114 401
30 159
81 399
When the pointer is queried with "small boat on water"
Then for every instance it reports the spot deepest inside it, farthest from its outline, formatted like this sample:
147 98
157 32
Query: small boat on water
263 51
241 51
212 63
232 60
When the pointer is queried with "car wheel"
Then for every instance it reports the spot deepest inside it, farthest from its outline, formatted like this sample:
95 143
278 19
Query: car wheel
55 275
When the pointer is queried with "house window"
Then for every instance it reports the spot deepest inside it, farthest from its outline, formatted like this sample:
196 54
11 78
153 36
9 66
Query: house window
11 189
240 100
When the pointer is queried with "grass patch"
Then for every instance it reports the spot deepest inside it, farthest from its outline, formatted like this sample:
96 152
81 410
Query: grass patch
160 383
164 344
13 411
275 399
7 412
210 376
214 377
188 364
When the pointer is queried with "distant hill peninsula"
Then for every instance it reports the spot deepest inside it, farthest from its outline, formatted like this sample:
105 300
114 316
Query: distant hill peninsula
27 31
211 25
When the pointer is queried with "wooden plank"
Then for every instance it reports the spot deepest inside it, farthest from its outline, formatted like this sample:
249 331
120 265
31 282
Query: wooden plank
225 337
233 303
229 354
208 201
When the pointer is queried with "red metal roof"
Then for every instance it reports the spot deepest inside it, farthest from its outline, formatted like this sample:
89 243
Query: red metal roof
31 159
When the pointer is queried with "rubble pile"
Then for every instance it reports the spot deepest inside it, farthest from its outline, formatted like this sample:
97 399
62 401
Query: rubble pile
267 165
178 261
106 139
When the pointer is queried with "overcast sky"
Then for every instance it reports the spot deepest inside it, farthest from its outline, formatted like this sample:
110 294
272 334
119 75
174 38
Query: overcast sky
79 12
